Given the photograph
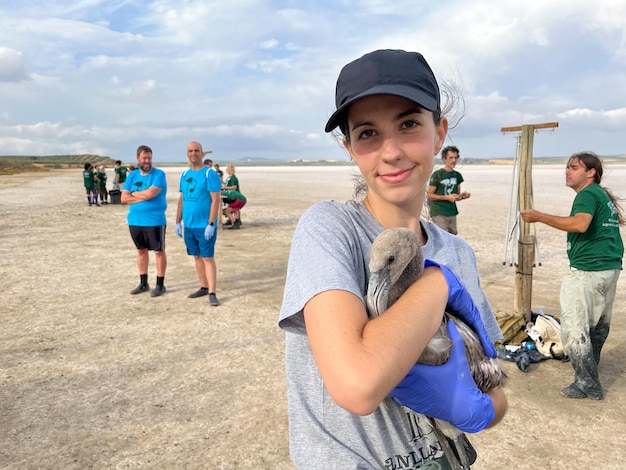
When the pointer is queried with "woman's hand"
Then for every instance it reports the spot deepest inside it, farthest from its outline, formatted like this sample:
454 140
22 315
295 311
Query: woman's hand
448 391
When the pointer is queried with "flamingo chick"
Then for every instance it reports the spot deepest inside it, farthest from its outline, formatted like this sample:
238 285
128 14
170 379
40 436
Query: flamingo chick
396 262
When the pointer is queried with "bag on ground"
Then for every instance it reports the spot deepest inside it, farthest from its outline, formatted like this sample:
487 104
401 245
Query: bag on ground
546 333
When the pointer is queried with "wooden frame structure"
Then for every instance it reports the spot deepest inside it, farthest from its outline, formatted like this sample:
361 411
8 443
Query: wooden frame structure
526 241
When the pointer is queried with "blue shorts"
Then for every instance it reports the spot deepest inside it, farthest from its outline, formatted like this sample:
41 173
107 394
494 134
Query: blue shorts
197 245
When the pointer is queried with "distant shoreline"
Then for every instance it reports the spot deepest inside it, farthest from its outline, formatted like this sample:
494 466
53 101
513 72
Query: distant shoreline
13 164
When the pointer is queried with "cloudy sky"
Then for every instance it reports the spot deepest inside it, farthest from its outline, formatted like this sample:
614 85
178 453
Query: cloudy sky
256 78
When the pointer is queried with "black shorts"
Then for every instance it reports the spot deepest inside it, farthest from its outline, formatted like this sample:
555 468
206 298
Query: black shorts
148 238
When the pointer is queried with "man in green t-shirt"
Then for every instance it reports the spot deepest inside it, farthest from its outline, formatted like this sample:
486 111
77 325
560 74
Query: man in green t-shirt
444 190
595 251
101 183
90 185
120 175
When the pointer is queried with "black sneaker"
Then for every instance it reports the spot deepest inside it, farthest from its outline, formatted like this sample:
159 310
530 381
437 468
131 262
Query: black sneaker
228 222
157 291
213 300
140 288
199 293
235 226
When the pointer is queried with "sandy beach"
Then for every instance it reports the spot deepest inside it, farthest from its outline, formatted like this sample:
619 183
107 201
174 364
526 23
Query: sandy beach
92 377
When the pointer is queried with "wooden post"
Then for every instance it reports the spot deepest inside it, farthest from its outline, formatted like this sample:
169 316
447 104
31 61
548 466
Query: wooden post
524 276
526 243
525 190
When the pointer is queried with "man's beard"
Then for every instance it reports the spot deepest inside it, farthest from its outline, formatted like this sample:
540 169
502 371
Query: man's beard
146 167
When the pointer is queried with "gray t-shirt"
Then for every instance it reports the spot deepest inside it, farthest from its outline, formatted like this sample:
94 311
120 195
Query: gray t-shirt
330 250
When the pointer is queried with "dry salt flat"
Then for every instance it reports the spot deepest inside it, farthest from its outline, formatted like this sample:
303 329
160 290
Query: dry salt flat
91 377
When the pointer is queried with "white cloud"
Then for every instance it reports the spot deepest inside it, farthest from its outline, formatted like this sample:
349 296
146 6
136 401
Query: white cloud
141 90
269 44
248 78
12 66
583 117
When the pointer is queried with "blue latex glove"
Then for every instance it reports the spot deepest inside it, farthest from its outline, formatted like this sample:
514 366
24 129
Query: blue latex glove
460 303
179 230
447 392
209 231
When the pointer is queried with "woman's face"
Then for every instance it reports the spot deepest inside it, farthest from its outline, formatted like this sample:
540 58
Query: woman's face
393 141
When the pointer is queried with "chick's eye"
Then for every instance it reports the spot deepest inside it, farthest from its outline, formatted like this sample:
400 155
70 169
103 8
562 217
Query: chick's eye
390 259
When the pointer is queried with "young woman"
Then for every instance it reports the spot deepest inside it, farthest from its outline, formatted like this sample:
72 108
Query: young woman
347 373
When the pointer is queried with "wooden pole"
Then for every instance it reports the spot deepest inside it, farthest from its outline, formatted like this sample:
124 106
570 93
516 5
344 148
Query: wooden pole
522 300
524 275
523 279
545 125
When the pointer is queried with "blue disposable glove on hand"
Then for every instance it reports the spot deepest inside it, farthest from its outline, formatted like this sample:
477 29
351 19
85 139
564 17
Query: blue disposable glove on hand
209 231
179 230
447 392
460 303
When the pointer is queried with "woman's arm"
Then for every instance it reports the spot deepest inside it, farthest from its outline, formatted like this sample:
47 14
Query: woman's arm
361 360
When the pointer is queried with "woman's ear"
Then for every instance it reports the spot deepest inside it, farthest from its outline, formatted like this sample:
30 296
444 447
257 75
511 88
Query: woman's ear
442 132
348 147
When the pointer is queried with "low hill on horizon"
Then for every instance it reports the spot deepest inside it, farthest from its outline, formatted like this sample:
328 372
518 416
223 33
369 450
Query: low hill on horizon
12 164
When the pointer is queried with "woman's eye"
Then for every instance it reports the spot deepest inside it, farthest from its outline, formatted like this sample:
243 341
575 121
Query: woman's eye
366 134
410 124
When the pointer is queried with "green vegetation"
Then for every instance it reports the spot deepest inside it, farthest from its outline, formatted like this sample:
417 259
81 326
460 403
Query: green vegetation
12 164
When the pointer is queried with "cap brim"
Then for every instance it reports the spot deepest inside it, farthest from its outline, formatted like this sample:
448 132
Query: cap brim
418 96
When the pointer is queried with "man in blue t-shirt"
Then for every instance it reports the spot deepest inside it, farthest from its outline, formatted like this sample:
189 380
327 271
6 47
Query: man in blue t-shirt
198 210
145 190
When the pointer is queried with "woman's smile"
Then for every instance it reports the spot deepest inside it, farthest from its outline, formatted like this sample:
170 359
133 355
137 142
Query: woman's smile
396 176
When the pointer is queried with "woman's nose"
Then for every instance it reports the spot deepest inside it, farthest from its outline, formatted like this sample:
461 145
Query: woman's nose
390 148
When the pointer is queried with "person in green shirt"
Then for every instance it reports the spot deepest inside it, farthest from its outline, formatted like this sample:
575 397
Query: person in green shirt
101 183
216 167
90 185
120 175
232 182
444 190
235 201
595 251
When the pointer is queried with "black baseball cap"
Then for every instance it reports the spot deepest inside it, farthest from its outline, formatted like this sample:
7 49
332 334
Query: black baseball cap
385 72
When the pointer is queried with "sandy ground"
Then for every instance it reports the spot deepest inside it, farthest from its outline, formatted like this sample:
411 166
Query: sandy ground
92 377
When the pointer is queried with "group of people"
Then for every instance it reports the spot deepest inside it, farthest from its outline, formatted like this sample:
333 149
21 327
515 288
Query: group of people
95 182
349 375
197 216
594 248
231 195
